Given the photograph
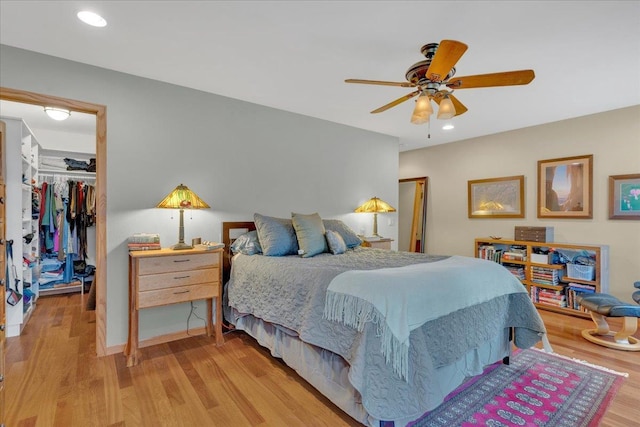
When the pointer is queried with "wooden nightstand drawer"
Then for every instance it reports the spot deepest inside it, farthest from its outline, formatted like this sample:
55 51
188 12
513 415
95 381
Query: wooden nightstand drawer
174 279
166 264
176 295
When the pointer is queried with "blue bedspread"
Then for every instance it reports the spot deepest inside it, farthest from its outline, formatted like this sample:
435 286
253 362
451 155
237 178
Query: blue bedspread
290 292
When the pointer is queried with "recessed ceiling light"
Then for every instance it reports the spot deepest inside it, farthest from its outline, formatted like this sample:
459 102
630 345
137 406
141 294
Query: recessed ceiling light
448 126
92 19
57 113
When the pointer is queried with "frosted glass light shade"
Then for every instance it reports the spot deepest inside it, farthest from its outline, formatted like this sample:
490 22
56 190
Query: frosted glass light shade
58 114
419 119
423 105
446 110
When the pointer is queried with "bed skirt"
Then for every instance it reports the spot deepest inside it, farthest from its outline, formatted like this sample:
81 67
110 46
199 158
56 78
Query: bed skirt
329 373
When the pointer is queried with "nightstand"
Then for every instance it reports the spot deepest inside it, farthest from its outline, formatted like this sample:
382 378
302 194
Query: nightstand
384 243
167 276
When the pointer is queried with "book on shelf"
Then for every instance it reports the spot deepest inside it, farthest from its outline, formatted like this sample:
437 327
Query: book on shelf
518 272
490 252
542 275
581 286
515 256
553 303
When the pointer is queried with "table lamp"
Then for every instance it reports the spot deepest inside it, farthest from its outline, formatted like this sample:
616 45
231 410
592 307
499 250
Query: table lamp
375 205
182 198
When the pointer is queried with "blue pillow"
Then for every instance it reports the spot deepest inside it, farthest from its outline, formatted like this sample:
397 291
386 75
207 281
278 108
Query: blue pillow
310 233
336 242
247 244
276 235
350 238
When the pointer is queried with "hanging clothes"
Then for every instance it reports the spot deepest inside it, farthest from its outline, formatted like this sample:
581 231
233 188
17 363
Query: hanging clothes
67 208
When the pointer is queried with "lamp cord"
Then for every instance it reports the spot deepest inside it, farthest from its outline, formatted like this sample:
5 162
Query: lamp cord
192 312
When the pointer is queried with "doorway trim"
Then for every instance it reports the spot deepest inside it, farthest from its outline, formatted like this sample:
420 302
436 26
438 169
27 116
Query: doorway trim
100 111
417 220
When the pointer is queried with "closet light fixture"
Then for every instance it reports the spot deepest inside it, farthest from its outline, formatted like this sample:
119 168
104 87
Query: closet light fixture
57 113
375 206
92 18
182 198
448 126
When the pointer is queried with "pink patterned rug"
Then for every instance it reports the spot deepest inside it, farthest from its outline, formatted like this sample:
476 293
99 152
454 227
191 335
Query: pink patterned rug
535 389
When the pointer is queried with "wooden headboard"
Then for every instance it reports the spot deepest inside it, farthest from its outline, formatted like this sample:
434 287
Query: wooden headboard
230 232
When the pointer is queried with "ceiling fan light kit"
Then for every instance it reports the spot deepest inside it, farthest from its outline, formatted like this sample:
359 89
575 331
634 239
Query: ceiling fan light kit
437 70
446 110
419 118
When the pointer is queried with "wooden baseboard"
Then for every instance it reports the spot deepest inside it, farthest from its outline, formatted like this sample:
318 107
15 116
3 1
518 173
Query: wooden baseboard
174 336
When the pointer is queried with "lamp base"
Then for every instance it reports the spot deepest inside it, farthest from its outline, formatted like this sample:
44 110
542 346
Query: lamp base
178 246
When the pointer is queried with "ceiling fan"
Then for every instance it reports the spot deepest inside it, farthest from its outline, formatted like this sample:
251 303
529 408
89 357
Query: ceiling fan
437 70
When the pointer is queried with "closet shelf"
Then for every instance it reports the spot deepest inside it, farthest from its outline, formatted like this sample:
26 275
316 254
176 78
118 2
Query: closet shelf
67 173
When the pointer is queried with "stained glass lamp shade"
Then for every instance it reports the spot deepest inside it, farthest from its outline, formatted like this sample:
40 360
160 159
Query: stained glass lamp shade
375 206
182 198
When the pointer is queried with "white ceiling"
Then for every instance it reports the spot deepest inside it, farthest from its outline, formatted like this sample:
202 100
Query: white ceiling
295 55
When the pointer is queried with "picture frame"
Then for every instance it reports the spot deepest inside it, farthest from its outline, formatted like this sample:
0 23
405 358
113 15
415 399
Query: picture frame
565 187
496 197
624 196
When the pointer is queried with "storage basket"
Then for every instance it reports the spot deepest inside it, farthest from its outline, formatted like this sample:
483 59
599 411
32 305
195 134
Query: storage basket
580 272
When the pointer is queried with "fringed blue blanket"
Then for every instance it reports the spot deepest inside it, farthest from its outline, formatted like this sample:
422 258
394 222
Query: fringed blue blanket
399 300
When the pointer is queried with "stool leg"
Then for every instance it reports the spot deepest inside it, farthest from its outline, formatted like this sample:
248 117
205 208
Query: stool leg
629 327
601 323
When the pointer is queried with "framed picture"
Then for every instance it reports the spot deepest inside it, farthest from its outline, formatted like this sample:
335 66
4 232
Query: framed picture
624 196
496 197
565 187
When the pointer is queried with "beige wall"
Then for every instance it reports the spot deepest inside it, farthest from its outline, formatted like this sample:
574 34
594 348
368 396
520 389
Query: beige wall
612 137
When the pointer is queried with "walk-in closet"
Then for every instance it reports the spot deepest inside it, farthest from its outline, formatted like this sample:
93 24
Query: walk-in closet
50 207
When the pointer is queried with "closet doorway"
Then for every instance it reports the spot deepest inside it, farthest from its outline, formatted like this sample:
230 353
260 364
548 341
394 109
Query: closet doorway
100 112
412 214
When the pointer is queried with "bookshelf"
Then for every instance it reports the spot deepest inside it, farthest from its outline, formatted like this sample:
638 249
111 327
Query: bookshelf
553 273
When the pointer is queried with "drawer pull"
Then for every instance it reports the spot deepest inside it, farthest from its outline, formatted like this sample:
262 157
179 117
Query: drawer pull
181 292
181 260
181 277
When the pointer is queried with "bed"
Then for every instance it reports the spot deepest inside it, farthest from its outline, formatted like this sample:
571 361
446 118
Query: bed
283 303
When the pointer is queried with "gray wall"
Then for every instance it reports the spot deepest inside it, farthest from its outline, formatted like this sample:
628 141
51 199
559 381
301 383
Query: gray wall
239 157
612 137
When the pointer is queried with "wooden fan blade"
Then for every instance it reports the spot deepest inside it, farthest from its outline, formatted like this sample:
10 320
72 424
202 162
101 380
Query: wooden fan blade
396 102
447 54
380 82
507 78
459 106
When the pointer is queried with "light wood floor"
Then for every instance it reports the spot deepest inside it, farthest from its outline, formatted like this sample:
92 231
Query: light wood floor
54 378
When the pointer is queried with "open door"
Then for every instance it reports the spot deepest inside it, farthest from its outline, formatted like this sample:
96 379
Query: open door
412 214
